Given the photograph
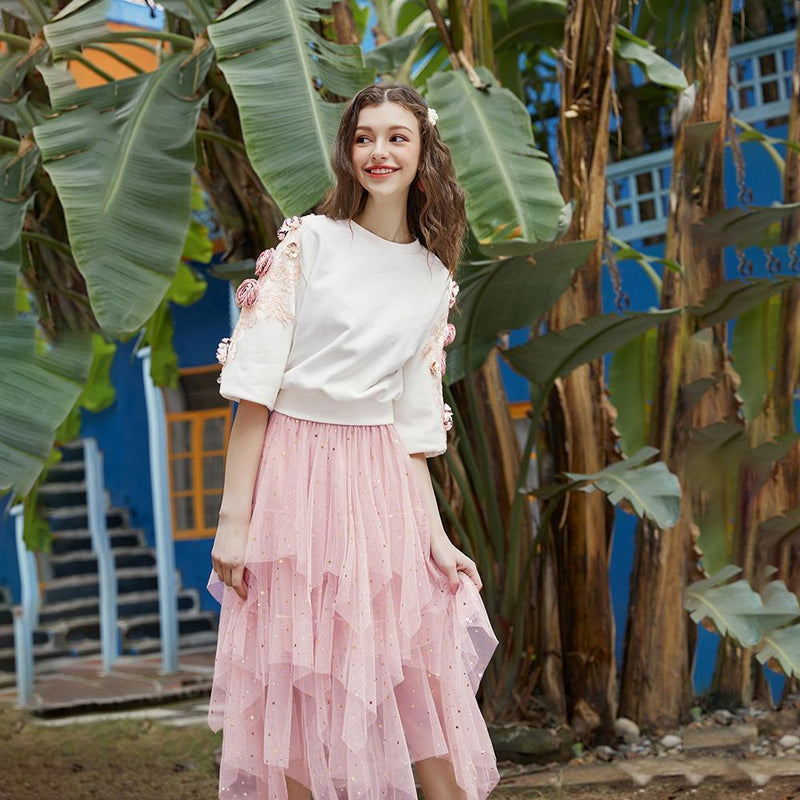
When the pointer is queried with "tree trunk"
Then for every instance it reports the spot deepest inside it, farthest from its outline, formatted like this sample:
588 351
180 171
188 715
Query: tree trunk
632 131
579 441
656 685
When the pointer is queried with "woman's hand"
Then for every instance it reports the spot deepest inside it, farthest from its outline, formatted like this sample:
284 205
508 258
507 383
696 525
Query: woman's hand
227 555
449 559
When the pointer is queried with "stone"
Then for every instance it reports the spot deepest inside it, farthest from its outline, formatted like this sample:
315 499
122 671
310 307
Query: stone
789 740
604 752
526 744
671 741
720 738
627 730
724 717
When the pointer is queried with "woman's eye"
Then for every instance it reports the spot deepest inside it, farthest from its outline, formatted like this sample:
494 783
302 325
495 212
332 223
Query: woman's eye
360 139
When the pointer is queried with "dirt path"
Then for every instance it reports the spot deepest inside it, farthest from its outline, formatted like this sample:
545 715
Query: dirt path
149 760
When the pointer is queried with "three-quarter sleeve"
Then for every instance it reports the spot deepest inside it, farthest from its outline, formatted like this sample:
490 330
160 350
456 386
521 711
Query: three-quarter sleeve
254 357
421 417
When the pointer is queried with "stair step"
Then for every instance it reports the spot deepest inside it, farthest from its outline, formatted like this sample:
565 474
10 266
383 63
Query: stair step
6 615
70 541
41 652
128 605
67 471
139 627
82 563
185 642
136 579
7 636
71 451
63 495
74 517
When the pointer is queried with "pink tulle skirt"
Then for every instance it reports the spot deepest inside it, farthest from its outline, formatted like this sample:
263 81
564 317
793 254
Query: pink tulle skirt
350 658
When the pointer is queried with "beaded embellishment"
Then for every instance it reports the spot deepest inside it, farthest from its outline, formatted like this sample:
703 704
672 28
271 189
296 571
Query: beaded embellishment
268 296
441 334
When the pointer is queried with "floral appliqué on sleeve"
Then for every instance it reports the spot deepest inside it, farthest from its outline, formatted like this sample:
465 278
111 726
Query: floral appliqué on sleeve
277 271
440 336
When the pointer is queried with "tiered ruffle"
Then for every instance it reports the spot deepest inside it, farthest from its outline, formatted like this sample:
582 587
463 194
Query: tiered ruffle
350 658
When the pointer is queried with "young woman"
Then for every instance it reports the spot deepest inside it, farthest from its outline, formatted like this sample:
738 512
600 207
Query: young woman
352 635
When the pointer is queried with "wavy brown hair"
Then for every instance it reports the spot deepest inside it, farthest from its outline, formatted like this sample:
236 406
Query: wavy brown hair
436 216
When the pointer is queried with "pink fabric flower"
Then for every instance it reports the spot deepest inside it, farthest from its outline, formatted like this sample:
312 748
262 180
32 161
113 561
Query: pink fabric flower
222 350
443 362
247 293
453 292
289 224
264 261
447 417
450 334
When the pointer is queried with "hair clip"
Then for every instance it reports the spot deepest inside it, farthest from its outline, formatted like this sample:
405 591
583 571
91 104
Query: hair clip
432 115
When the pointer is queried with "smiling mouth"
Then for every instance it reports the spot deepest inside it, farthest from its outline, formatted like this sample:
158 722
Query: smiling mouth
380 170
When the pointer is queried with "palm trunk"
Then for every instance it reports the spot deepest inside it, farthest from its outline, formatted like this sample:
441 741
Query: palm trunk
656 685
579 438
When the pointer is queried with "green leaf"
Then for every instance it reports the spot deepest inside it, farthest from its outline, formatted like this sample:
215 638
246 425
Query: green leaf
631 48
529 22
556 354
745 227
124 178
779 606
163 358
729 606
79 21
187 287
389 57
652 490
510 186
733 298
512 293
782 645
39 390
271 57
631 381
99 392
780 530
755 352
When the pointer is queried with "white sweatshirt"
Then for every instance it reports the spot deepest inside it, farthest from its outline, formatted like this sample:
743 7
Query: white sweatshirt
344 326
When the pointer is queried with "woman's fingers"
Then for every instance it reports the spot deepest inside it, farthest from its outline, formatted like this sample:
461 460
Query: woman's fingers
472 573
237 581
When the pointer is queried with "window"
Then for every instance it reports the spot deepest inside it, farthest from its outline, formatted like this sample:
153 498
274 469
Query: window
198 426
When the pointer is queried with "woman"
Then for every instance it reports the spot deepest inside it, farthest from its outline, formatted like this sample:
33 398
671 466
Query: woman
352 636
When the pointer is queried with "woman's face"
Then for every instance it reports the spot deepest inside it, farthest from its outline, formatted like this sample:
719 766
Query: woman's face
385 149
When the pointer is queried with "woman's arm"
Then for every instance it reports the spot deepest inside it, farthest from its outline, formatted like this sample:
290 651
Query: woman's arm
444 553
241 466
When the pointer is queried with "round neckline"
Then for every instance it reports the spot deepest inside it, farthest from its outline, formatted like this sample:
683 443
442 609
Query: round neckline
409 247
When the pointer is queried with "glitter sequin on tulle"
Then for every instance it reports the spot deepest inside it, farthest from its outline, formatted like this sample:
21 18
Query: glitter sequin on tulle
350 658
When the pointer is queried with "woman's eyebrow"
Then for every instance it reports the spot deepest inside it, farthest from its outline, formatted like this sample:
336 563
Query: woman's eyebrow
391 128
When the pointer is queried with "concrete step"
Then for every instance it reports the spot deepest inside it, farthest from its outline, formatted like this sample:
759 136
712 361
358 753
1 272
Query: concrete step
135 579
41 652
7 636
72 451
133 628
67 471
191 622
82 563
78 540
74 517
128 605
186 642
60 495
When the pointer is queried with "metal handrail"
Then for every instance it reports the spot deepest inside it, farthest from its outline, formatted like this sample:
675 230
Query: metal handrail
26 614
162 521
106 568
